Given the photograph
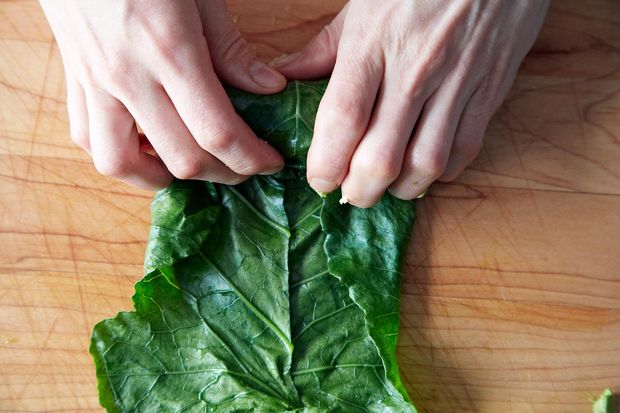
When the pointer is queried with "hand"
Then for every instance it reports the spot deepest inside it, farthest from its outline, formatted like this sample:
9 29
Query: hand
413 87
149 61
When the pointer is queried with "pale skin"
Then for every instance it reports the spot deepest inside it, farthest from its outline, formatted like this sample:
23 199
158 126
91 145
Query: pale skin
413 86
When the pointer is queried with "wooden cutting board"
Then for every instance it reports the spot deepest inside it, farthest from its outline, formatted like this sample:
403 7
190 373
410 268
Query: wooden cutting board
511 299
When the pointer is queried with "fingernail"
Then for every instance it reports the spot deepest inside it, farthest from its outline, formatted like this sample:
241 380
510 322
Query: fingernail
285 59
423 194
272 171
265 75
322 185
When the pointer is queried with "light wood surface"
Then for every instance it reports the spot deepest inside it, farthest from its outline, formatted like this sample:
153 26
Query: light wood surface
511 300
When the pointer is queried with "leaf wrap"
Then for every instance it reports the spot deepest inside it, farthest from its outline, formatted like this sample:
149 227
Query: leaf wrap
262 297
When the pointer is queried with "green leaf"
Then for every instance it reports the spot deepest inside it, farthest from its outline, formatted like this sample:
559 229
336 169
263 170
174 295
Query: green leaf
338 364
285 120
182 217
605 403
262 297
365 248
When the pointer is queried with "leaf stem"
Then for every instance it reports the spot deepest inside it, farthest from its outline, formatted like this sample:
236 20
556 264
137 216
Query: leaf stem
307 280
333 367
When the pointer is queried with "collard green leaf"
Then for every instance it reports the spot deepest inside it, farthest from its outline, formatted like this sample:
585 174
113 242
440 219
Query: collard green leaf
212 329
263 297
337 364
182 218
285 120
365 248
604 403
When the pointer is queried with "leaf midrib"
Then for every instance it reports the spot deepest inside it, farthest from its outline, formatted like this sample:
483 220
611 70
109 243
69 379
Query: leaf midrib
270 324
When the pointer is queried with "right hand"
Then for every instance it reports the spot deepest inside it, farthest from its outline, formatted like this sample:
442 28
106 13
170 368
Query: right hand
148 60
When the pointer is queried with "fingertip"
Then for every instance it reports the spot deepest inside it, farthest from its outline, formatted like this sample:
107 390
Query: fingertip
275 161
407 190
281 62
272 170
304 65
322 185
260 157
266 77
451 173
299 65
358 196
324 174
363 203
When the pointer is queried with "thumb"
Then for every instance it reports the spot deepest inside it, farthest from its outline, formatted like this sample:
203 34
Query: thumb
233 60
317 58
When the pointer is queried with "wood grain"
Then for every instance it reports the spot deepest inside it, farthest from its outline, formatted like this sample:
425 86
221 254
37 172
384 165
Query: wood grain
511 300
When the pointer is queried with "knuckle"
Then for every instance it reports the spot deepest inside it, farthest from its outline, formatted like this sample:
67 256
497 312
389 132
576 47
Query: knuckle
329 37
345 113
173 51
185 168
449 176
116 75
113 166
85 74
168 36
328 166
80 137
229 46
377 167
119 70
431 55
431 165
468 146
163 36
219 141
387 171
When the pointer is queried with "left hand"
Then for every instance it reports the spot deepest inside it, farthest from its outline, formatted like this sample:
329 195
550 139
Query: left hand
413 87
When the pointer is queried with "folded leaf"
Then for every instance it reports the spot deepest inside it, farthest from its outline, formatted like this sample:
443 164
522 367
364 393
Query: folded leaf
262 297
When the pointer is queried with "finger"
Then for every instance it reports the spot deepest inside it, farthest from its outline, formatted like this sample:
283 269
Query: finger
468 137
428 151
343 115
173 142
317 58
204 107
233 61
378 159
115 145
78 114
476 117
